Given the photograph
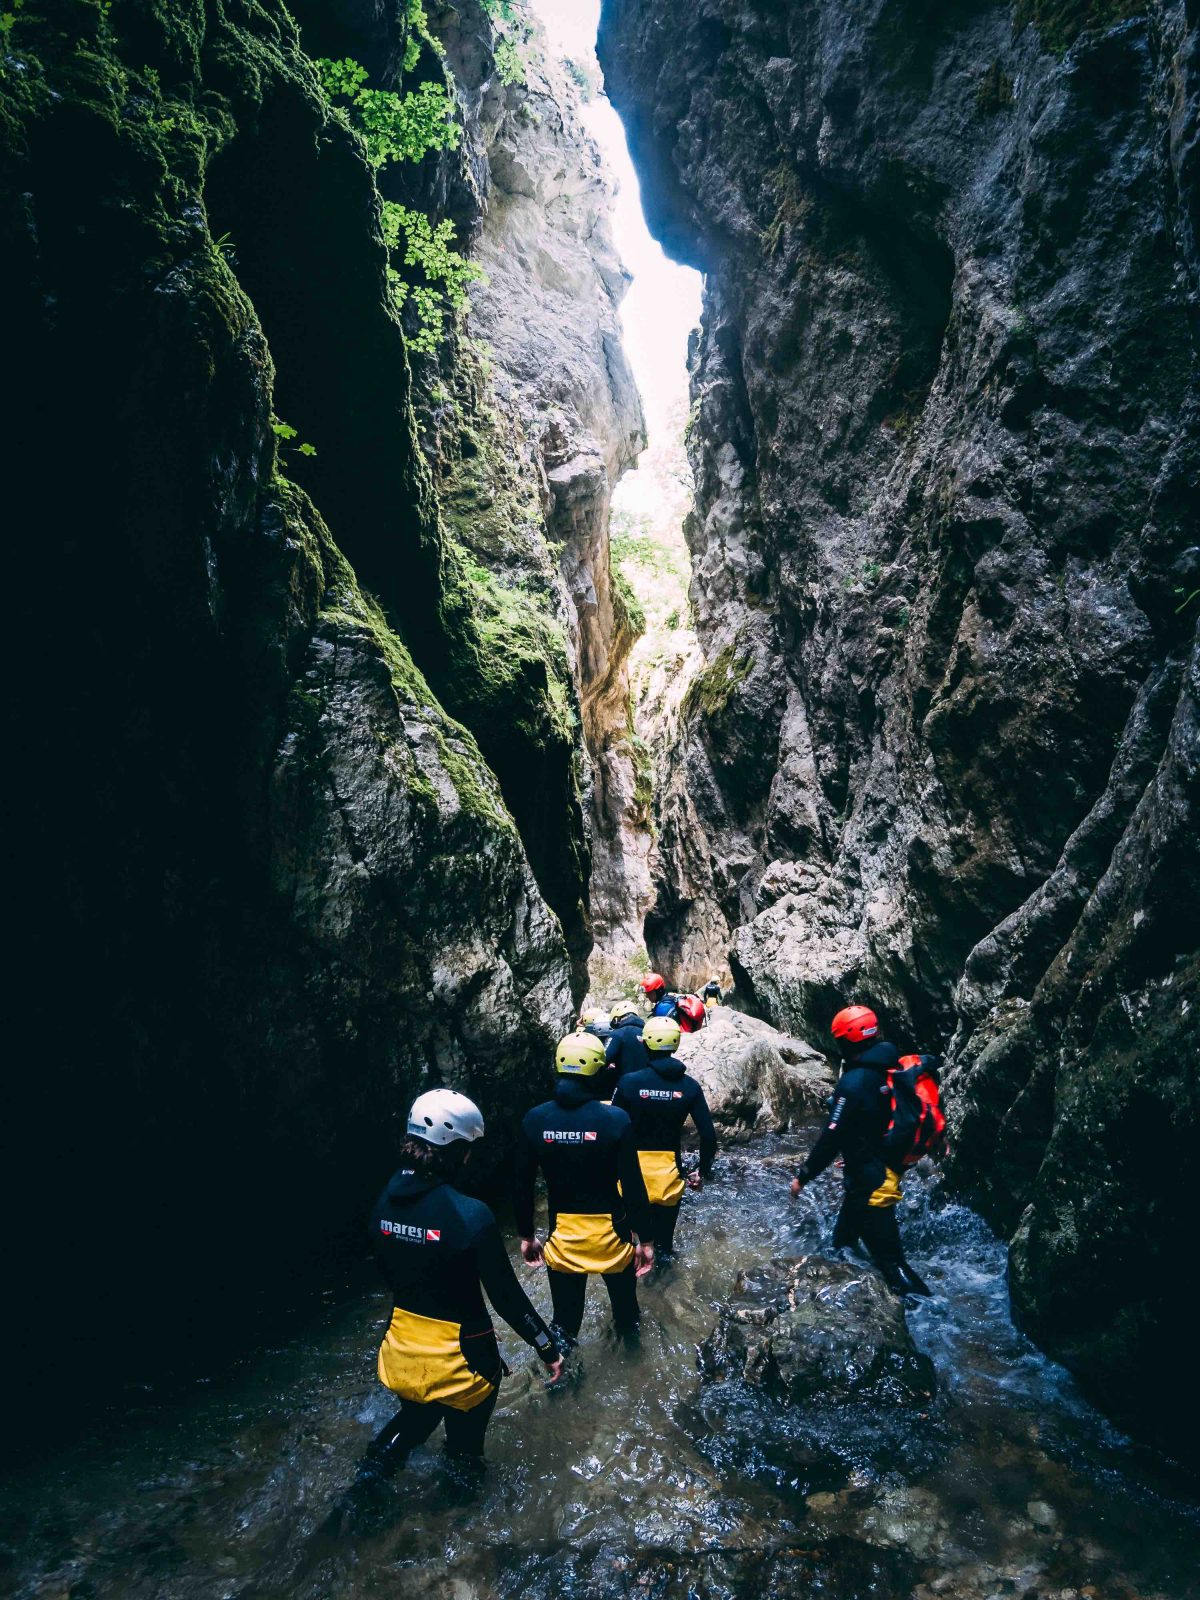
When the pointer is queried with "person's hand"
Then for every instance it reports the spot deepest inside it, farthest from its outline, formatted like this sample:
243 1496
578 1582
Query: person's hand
531 1252
554 1370
643 1256
798 1183
695 1181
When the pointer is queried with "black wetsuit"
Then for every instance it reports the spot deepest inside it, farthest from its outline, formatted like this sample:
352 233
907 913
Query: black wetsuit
859 1114
439 1251
659 1100
625 1051
584 1147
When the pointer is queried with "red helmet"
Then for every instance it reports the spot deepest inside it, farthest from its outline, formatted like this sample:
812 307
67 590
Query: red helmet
692 1012
653 983
855 1024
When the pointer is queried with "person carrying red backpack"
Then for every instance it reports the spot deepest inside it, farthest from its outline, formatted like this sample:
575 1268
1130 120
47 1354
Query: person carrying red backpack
878 1126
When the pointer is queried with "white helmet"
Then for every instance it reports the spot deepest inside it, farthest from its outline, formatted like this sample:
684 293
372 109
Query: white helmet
440 1116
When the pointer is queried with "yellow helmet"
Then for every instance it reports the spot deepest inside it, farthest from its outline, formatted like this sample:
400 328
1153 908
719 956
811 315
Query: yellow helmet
594 1015
662 1034
624 1011
579 1055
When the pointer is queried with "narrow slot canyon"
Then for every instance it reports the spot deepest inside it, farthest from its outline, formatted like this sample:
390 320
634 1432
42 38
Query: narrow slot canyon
514 498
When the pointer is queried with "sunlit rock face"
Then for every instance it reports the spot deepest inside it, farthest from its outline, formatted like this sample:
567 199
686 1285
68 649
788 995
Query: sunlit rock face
266 887
943 754
530 419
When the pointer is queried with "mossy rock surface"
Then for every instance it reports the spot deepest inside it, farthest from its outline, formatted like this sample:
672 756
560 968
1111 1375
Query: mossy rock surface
268 886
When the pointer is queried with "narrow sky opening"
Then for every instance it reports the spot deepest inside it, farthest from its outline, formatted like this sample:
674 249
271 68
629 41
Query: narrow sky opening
663 303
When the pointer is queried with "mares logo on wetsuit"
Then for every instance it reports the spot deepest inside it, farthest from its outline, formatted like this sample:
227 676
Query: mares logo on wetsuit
564 1136
661 1094
411 1235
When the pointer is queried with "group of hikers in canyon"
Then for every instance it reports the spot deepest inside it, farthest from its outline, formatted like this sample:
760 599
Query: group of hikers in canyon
609 1147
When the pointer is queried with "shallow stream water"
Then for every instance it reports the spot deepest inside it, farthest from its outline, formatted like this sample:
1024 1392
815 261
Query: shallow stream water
634 1479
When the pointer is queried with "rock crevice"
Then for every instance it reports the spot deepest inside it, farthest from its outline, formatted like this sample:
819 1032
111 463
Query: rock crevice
941 752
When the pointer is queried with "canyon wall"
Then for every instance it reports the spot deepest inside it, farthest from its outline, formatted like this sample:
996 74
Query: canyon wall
943 750
270 881
538 386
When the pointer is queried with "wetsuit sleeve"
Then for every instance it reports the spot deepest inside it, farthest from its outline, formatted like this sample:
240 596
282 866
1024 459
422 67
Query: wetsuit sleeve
830 1140
612 1050
526 1176
619 1100
506 1294
633 1185
702 1118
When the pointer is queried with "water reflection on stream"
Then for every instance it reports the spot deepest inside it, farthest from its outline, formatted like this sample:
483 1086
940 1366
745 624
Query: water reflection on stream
635 1480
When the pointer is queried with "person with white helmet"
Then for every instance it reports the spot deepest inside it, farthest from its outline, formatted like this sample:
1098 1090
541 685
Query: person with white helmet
440 1251
595 1020
594 1186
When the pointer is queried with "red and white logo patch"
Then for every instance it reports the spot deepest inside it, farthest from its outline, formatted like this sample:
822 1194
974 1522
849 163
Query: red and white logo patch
677 1094
590 1136
433 1236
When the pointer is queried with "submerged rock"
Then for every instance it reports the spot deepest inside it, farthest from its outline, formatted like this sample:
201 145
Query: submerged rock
754 1077
815 1327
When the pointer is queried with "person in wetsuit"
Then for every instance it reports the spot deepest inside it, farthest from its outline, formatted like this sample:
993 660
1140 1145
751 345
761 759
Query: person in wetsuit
584 1148
659 1100
859 1116
712 994
625 1050
440 1251
595 1020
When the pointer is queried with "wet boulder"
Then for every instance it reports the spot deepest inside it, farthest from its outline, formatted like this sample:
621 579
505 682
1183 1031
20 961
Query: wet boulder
756 1079
812 1326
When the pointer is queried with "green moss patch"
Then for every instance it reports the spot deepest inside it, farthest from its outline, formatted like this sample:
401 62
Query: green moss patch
711 690
1060 22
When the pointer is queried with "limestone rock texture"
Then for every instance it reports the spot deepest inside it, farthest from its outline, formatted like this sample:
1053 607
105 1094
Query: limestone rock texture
815 1328
267 888
943 750
529 418
755 1079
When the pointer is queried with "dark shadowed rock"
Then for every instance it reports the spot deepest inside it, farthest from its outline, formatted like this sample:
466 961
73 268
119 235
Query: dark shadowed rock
946 440
815 1327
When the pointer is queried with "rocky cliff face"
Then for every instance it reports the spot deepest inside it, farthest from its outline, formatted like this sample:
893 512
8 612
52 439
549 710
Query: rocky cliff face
267 888
551 418
943 752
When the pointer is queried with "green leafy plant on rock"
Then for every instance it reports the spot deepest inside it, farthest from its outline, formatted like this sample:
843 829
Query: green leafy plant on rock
428 245
405 128
393 127
510 64
8 17
285 433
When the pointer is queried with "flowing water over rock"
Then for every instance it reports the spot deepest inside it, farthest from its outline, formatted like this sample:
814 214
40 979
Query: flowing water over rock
638 1478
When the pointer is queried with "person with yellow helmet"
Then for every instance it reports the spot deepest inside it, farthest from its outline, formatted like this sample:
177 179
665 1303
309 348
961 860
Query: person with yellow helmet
597 1199
594 1019
659 1100
624 1048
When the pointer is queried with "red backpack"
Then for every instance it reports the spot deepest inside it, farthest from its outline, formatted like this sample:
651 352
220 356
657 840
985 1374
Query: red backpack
690 1012
918 1125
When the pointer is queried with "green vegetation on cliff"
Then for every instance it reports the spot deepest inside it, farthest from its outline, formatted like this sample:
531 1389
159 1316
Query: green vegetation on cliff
1060 22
